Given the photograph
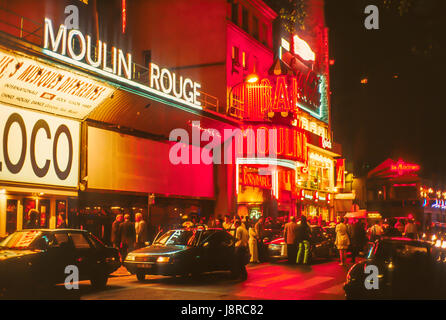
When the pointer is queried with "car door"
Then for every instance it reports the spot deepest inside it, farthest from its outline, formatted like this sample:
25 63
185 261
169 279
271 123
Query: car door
219 251
84 253
60 254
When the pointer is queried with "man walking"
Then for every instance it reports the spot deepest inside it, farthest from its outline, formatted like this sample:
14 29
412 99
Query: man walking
115 235
289 235
410 230
260 230
127 232
358 239
241 248
303 236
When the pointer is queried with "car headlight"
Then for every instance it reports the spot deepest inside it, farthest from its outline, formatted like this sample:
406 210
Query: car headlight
130 258
163 259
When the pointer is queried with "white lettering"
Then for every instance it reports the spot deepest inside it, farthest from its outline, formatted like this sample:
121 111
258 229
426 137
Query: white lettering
49 36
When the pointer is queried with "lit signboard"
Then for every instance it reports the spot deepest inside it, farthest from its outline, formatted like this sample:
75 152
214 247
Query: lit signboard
34 84
38 148
95 57
251 177
402 167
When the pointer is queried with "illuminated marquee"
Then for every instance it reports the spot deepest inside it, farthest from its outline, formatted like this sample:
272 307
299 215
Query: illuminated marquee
34 84
95 57
402 167
290 143
251 177
288 94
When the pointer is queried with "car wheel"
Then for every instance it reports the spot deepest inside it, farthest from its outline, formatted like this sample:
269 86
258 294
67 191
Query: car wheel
140 276
99 282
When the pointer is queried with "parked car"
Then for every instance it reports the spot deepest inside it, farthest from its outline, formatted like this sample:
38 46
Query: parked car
407 269
184 252
38 257
322 245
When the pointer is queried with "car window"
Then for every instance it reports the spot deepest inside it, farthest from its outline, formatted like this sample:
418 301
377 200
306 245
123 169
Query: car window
60 239
79 241
220 239
95 241
401 251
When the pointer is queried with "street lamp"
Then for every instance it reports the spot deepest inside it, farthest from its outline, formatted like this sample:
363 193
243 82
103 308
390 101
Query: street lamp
250 78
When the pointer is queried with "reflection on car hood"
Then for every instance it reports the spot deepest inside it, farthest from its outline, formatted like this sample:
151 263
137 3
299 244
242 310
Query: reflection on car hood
10 254
160 249
280 240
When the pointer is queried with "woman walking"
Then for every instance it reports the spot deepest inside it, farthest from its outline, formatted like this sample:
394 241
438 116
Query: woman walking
342 240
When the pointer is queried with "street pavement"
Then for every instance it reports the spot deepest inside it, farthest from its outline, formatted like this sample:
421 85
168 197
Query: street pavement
322 280
275 281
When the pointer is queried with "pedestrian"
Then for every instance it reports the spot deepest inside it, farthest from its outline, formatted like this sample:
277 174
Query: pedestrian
410 230
252 242
127 233
33 219
375 231
115 235
358 239
342 241
399 226
260 230
227 224
303 236
241 249
289 235
61 223
391 231
141 231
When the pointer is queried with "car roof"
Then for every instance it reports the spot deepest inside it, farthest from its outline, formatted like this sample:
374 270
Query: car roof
406 241
53 230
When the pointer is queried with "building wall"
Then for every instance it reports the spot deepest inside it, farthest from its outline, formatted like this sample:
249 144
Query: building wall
187 36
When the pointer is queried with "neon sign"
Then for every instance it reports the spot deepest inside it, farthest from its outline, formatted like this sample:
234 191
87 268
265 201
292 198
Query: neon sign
289 143
95 57
302 49
402 167
251 177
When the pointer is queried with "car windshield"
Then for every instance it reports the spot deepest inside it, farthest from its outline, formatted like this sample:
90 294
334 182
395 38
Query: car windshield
21 240
177 238
398 250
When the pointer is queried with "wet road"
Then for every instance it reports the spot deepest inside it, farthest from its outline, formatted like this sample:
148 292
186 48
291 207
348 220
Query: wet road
275 281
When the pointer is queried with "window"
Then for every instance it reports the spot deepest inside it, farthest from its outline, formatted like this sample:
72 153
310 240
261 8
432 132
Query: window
265 35
245 22
234 13
255 27
79 241
147 55
244 60
235 55
60 238
96 242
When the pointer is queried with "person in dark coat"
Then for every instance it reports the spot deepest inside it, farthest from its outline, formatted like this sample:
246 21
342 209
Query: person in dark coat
303 236
289 235
115 235
358 239
128 236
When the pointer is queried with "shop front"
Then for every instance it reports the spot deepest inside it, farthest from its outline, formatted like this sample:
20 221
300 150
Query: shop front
39 168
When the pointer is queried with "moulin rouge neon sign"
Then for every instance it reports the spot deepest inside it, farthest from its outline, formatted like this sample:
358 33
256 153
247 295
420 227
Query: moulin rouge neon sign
95 57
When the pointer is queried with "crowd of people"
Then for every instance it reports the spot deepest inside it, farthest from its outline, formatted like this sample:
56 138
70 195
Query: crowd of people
127 236
354 236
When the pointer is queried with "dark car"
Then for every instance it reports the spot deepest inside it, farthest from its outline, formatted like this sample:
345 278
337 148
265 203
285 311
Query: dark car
184 252
406 269
322 245
38 257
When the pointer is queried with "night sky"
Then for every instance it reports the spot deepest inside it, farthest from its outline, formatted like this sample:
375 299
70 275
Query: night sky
401 111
